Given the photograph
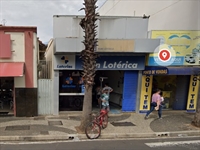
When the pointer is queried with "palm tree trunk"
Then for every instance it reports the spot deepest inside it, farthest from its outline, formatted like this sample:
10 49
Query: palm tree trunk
88 56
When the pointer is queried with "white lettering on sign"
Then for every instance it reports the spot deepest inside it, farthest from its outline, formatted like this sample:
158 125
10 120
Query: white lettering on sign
64 66
163 71
117 65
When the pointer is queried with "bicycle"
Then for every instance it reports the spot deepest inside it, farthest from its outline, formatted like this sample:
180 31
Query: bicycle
93 129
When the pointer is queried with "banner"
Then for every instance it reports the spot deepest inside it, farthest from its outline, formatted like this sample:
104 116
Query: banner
186 45
193 93
116 63
146 89
72 62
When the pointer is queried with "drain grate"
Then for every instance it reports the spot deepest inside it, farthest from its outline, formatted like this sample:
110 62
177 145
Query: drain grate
52 123
17 128
122 124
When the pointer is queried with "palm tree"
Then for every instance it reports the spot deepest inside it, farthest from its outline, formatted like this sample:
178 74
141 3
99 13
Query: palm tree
88 56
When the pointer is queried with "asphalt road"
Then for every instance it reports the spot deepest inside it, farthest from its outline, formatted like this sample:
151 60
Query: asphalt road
124 144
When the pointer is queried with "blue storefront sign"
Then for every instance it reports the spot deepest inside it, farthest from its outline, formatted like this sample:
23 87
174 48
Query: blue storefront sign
116 63
153 70
174 61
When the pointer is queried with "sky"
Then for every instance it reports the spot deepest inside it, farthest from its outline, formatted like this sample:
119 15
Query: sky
38 13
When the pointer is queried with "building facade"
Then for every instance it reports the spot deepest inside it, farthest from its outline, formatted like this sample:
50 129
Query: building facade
18 70
178 30
122 47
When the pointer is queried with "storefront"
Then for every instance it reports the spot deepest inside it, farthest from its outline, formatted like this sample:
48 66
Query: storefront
10 74
6 96
18 71
177 77
179 85
120 71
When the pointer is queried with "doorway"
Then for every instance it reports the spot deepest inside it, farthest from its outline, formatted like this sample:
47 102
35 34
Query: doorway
114 79
7 96
175 90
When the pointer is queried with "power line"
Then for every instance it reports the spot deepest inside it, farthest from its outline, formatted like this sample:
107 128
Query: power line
141 0
112 7
166 7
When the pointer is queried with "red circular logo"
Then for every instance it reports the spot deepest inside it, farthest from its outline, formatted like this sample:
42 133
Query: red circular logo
164 55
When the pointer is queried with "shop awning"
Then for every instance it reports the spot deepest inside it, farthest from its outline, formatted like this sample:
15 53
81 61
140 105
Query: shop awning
183 70
157 70
11 69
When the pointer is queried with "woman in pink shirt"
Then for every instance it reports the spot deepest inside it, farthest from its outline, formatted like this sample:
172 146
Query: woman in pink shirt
155 104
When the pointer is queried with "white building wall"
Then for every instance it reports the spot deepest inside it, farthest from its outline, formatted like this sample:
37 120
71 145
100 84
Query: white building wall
17 47
117 27
18 55
164 14
19 82
64 26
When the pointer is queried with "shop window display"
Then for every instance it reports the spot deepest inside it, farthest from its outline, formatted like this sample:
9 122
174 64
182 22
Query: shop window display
71 82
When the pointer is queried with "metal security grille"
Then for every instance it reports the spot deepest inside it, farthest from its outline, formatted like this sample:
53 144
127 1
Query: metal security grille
45 97
130 90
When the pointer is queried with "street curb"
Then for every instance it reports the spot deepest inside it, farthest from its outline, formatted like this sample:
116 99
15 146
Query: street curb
185 133
103 136
35 138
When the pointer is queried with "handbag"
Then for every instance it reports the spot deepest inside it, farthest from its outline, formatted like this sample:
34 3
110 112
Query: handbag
154 104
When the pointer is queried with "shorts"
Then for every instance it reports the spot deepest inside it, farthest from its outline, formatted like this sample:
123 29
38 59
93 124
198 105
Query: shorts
106 108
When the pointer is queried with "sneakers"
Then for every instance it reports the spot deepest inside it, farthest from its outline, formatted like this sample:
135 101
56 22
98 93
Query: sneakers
146 117
160 118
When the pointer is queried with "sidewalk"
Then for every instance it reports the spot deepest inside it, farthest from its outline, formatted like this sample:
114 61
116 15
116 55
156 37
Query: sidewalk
62 127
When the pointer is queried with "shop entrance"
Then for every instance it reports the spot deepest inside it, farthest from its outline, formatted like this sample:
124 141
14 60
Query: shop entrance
175 90
6 96
71 89
114 79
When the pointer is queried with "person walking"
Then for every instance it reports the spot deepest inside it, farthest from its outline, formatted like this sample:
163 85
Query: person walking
155 104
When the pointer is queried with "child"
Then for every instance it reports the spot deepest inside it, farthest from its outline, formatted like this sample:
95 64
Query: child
105 100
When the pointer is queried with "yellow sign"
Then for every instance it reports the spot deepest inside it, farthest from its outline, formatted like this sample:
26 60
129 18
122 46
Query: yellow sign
145 97
115 46
186 45
193 93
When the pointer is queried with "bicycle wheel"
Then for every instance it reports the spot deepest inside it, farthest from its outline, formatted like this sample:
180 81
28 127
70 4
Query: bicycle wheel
93 130
104 121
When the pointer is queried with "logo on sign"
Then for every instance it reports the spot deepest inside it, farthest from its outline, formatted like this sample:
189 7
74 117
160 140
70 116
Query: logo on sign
66 61
164 55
